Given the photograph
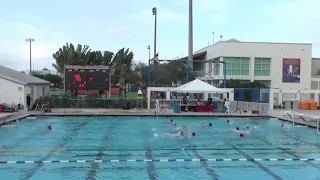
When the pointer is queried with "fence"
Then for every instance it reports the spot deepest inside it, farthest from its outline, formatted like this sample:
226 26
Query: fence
71 102
263 108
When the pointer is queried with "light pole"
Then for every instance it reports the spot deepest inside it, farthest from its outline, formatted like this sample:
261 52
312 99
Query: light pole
149 73
149 52
190 49
154 12
30 40
111 66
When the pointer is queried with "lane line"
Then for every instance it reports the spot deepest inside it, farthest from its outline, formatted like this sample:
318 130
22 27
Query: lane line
95 165
255 161
157 160
65 139
285 151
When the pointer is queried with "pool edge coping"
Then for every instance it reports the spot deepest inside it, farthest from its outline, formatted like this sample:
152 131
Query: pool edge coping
149 115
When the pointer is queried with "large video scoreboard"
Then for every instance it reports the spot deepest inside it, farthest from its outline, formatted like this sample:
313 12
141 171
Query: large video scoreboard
86 77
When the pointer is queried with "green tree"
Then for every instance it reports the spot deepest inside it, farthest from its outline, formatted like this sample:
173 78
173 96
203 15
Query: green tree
172 72
100 58
236 83
69 55
54 79
122 63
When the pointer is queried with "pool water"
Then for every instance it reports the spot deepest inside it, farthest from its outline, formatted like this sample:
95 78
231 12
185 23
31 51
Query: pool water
139 138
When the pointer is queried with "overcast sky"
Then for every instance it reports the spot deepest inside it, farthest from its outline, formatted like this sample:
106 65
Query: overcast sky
111 25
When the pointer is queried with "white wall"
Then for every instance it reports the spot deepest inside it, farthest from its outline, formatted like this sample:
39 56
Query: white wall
11 92
275 51
38 91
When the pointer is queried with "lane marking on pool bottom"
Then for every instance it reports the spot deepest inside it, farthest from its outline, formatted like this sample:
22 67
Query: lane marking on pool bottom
151 160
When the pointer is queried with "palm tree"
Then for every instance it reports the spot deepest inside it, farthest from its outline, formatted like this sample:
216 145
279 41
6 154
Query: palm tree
123 65
100 58
68 55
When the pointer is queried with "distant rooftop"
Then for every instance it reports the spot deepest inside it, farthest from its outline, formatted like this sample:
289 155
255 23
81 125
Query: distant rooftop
20 77
232 40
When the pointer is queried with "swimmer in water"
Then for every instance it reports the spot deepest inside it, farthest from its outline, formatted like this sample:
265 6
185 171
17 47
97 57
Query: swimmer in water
184 130
210 124
228 121
174 123
237 128
49 128
241 135
182 133
249 129
282 126
171 120
193 134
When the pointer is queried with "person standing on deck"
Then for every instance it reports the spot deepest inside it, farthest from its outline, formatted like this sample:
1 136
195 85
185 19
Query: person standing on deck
28 101
226 105
157 105
185 102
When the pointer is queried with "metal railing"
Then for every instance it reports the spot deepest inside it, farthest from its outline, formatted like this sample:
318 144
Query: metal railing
263 108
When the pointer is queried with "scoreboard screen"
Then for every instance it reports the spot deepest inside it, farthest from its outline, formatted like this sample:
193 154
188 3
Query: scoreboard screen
76 80
98 80
87 79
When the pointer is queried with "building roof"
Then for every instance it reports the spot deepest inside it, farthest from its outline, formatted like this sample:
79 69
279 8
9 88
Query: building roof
237 41
19 77
197 86
195 55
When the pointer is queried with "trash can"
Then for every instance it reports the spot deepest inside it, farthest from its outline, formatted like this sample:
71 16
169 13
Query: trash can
177 108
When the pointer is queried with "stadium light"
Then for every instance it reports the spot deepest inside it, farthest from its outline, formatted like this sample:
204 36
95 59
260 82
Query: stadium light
30 40
155 13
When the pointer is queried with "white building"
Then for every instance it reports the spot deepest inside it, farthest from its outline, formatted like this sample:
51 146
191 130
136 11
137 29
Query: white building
315 74
16 85
278 65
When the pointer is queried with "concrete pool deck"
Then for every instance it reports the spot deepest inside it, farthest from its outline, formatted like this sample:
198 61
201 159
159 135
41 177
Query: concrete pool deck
280 114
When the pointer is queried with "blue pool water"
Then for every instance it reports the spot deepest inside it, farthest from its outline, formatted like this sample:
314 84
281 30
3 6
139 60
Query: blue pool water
141 138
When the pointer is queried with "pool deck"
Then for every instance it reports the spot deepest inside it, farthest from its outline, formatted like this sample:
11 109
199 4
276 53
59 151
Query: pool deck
280 114
143 112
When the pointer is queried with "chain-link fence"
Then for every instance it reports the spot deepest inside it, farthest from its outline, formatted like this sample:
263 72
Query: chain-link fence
74 102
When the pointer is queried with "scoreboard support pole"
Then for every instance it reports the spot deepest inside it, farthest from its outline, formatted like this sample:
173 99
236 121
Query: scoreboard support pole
109 91
64 83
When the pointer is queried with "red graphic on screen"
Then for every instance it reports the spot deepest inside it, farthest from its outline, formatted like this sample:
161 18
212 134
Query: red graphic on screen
87 80
77 77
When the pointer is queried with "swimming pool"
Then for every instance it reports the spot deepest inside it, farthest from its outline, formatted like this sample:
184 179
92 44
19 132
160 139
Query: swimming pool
127 144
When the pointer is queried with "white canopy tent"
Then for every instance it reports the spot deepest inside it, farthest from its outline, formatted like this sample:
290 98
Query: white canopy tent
198 86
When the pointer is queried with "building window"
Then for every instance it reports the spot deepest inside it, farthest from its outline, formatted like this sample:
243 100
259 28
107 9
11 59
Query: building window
210 68
216 70
262 66
237 66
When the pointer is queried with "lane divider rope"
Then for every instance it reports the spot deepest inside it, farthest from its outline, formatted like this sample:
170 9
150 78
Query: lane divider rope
151 160
160 149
